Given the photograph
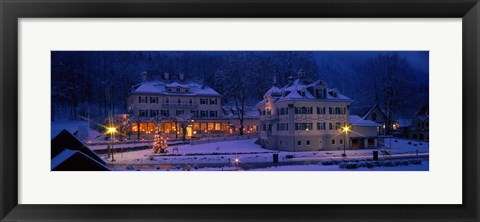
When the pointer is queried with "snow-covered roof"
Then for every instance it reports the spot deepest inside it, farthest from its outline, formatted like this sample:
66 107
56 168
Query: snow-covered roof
372 109
274 91
176 84
261 103
355 120
299 90
161 88
68 153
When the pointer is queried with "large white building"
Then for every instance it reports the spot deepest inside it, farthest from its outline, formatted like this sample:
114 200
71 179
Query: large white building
168 98
308 116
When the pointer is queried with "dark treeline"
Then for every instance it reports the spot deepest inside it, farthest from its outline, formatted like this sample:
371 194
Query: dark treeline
99 82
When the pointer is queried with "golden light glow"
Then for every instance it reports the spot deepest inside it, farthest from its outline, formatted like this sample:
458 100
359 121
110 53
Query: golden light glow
111 130
346 129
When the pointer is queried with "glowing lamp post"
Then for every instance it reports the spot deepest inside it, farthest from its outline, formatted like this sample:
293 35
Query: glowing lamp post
112 131
345 129
236 163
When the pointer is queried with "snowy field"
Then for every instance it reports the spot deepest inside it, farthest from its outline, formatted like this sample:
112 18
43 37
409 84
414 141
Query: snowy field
318 167
222 155
424 166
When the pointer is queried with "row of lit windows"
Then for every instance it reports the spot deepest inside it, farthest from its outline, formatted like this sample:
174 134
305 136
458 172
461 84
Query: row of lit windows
168 127
305 126
166 113
307 110
320 126
154 99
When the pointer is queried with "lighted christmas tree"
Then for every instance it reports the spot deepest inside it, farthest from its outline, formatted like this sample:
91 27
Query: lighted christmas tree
159 144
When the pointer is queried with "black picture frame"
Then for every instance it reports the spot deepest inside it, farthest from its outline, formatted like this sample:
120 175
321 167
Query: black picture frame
11 11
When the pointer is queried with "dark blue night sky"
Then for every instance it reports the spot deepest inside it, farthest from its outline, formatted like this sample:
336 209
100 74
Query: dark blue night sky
368 77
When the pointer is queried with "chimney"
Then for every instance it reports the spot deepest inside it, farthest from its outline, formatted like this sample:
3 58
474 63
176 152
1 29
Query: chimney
290 80
181 76
144 76
166 75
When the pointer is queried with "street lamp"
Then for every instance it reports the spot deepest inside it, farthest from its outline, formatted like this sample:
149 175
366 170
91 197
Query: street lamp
345 129
236 163
112 131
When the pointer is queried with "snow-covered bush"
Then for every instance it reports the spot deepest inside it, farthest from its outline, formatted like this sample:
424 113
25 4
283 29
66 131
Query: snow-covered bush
328 162
416 162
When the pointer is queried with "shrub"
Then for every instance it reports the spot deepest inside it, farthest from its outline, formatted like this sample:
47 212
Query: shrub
396 141
289 156
389 164
352 166
369 165
409 143
331 162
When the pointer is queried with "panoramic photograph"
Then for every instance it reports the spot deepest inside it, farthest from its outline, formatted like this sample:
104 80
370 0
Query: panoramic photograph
240 111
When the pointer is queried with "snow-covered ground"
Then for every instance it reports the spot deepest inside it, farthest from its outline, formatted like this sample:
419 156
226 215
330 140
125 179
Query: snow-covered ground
319 167
424 166
221 156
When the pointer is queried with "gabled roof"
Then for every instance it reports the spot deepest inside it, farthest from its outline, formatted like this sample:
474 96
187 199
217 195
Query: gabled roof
274 91
161 89
65 140
176 84
375 107
298 90
74 160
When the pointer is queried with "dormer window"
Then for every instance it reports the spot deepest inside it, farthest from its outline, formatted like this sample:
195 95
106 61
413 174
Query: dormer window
320 93
333 93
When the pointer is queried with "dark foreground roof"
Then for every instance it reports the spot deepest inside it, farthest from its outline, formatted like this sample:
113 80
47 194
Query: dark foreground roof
74 160
65 140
